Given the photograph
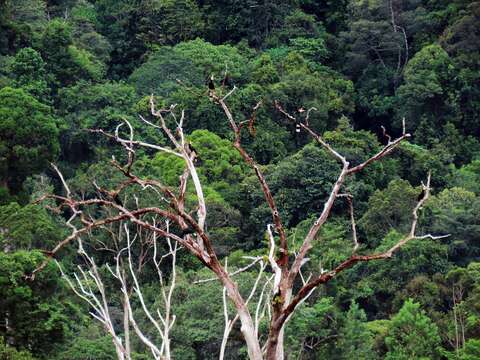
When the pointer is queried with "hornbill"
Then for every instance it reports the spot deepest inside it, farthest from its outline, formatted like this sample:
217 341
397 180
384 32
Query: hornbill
192 152
421 195
211 84
187 231
227 82
190 149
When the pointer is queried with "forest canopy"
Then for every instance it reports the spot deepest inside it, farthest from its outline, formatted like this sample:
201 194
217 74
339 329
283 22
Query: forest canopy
303 81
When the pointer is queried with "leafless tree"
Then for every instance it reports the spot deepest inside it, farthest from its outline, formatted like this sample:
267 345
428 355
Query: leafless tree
191 224
88 283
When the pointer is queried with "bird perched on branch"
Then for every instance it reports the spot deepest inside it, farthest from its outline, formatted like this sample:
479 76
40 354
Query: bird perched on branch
190 149
227 82
187 231
210 83
421 195
192 152
111 195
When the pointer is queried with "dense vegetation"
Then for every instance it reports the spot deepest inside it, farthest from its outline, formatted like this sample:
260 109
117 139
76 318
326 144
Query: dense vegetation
71 65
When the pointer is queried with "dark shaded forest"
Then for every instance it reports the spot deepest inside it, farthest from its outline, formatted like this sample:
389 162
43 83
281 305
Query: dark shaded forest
358 72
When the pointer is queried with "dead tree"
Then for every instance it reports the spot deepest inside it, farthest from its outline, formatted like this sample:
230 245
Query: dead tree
286 266
88 283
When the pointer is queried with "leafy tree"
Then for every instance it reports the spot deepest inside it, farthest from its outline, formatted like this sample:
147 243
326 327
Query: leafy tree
28 71
427 93
252 19
454 212
191 62
119 22
464 289
94 106
264 71
159 73
333 13
10 353
303 34
389 209
28 136
27 228
84 20
327 91
167 22
471 351
35 312
430 292
315 326
91 343
378 282
64 60
468 177
355 340
412 335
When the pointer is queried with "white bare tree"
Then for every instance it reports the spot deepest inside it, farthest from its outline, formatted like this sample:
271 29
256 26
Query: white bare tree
277 299
130 255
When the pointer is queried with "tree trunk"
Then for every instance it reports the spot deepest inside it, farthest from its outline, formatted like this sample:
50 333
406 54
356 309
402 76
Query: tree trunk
126 329
275 342
247 326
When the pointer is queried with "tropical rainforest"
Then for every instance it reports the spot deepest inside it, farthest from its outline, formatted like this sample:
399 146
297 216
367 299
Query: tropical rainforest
367 71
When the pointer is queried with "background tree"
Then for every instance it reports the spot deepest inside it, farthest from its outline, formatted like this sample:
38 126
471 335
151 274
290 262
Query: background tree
412 334
29 136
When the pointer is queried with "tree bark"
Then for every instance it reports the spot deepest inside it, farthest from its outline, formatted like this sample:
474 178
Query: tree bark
247 326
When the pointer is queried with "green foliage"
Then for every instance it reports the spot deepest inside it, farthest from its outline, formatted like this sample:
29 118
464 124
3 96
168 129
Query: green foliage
454 211
29 227
356 341
468 177
66 62
376 283
264 71
427 86
412 334
326 91
362 65
191 62
28 136
10 353
219 160
84 18
252 20
471 351
37 315
389 209
96 106
92 343
167 22
28 71
312 324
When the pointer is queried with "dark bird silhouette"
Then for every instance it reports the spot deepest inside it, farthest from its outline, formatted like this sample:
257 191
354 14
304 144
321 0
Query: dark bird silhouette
227 82
187 231
112 196
48 253
191 150
421 195
211 84
116 199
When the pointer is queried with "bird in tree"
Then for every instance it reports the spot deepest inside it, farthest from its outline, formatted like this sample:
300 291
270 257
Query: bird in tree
227 81
211 84
421 195
192 152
